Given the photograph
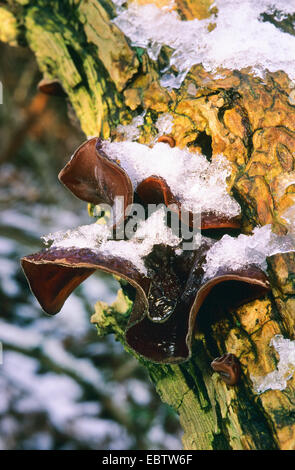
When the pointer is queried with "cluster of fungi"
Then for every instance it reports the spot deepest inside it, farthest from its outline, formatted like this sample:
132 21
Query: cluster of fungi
172 295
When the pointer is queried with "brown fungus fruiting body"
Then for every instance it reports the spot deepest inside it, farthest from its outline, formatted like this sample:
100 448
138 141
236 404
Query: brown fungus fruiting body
172 294
228 367
168 299
51 87
155 190
94 177
167 139
91 176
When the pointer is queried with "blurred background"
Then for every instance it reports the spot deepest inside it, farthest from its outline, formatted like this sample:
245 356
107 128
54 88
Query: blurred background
61 386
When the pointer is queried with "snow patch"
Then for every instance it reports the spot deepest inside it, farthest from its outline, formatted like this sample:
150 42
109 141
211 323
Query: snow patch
199 185
85 236
131 131
277 380
240 38
150 232
164 123
244 250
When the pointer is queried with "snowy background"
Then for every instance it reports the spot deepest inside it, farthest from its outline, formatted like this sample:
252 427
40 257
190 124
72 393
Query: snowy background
61 387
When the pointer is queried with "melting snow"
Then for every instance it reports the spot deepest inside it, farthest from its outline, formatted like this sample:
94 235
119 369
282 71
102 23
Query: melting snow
245 250
199 185
240 38
277 380
164 123
131 131
79 237
150 232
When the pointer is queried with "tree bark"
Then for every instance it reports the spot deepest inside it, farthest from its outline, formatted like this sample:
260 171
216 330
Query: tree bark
253 124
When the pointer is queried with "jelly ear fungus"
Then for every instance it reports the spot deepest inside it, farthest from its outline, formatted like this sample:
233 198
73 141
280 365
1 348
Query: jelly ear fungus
155 190
168 299
91 176
51 87
94 177
228 367
172 296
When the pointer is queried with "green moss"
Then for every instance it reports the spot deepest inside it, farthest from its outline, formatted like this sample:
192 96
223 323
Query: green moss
139 52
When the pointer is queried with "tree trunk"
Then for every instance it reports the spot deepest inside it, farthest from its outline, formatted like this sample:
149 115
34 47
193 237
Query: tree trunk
253 124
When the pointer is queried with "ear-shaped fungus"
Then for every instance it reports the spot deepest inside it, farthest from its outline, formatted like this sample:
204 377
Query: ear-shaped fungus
51 87
228 367
94 178
155 190
54 273
171 341
172 293
167 300
167 139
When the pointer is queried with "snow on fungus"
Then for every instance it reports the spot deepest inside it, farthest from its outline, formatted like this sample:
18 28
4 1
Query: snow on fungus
96 237
169 294
200 186
85 236
245 250
150 232
104 172
277 380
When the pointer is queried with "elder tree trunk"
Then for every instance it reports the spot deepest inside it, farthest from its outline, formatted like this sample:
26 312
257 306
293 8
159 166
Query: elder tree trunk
253 124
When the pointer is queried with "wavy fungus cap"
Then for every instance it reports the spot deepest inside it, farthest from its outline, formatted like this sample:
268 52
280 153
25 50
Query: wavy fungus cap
228 367
91 175
170 294
51 87
168 298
